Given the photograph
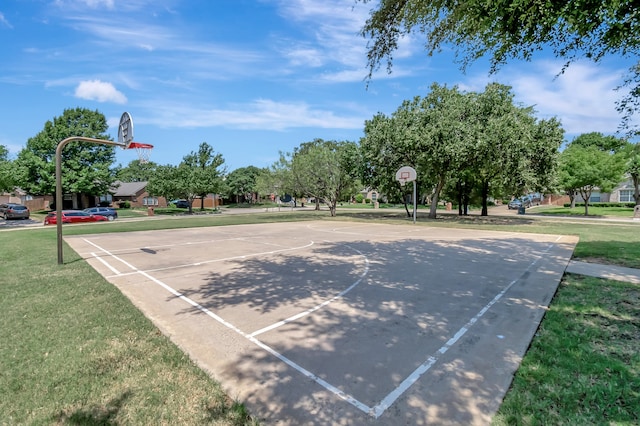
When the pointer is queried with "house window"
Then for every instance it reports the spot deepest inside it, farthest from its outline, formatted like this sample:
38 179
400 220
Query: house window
149 201
626 196
106 198
374 196
595 197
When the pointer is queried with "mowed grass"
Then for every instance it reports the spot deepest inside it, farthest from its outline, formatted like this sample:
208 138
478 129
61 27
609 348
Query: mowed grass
76 351
594 211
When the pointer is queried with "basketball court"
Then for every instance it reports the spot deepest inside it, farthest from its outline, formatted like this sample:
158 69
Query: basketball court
343 323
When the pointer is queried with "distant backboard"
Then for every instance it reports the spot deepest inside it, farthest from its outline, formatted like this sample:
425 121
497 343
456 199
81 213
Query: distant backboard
125 130
406 174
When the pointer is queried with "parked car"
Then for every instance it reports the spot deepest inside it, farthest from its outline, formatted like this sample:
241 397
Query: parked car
516 203
74 216
108 212
181 204
14 211
5 206
536 198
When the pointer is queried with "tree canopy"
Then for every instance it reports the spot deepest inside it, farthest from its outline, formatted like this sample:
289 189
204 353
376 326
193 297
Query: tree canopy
323 170
513 29
85 166
587 165
136 171
198 174
476 141
7 171
242 184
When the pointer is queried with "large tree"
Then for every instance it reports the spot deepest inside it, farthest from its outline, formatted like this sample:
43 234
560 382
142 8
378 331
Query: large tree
505 30
241 184
7 171
85 166
325 170
586 167
198 174
201 173
480 142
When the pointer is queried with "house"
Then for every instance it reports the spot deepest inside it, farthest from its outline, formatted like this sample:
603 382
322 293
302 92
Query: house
33 202
622 193
135 193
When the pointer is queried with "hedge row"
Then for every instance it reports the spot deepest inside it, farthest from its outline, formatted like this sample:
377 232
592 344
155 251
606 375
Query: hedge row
598 204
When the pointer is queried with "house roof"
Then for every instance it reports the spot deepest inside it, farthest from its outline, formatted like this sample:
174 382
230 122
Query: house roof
127 189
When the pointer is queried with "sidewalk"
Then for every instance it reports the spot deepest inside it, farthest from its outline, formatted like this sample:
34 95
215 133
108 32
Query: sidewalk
610 272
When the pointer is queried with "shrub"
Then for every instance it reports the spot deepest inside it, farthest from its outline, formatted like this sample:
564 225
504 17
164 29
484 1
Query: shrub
367 200
603 204
124 204
359 198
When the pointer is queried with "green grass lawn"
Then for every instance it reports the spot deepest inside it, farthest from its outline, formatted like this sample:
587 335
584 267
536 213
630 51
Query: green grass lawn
76 351
594 211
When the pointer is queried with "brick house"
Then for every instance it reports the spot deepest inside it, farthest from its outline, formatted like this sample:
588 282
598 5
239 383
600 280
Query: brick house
133 192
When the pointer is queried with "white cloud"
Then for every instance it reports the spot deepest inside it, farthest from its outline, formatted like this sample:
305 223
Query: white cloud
4 21
100 91
262 114
583 98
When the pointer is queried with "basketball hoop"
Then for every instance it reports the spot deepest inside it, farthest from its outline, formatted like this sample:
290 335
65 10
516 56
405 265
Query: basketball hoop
143 150
408 174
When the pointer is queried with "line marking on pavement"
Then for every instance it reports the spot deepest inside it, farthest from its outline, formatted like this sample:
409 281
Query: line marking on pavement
203 262
388 400
339 393
321 305
377 410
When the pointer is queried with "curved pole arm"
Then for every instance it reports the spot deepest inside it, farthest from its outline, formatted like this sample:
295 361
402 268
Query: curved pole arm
59 148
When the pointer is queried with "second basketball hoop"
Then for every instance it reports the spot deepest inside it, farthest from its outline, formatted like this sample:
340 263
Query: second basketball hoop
408 174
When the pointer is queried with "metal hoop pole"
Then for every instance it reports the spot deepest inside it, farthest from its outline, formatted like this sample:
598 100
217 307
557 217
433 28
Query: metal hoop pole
59 148
415 205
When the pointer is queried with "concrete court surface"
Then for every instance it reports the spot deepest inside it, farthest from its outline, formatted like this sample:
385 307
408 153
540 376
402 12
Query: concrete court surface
333 323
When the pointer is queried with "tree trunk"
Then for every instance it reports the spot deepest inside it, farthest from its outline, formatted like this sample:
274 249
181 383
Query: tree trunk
436 196
636 189
572 198
485 197
586 194
332 208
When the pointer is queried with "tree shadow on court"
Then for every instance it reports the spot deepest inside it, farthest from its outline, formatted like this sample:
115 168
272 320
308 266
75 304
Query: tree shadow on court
412 296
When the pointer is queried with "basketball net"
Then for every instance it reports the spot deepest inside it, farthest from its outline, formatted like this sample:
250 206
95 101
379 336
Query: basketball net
143 150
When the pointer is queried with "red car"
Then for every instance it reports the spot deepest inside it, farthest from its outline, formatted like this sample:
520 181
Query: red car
74 216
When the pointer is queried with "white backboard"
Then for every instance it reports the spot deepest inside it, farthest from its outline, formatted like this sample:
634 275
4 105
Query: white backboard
125 130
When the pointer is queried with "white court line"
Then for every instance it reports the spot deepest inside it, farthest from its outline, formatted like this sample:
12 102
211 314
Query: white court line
203 262
321 305
339 393
105 263
388 400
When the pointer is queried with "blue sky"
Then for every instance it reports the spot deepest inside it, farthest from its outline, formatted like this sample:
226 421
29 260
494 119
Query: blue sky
249 77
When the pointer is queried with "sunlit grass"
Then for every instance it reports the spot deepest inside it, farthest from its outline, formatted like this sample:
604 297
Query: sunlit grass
595 211
583 366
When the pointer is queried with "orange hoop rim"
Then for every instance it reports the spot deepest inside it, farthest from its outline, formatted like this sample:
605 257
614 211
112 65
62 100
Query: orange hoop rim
139 145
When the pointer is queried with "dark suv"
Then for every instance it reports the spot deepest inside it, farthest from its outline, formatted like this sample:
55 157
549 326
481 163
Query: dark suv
107 212
181 204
